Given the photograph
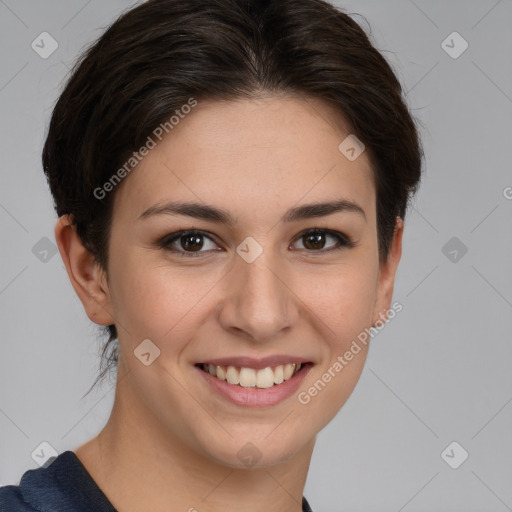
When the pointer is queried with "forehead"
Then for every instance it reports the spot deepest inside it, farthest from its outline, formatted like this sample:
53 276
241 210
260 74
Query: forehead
250 153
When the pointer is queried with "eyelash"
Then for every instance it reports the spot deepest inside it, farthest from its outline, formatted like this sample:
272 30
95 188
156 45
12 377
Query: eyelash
344 241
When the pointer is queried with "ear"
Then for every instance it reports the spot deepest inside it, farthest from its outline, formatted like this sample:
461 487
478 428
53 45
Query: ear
387 273
86 276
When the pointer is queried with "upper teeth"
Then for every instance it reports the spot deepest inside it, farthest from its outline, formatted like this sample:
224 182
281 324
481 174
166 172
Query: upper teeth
250 378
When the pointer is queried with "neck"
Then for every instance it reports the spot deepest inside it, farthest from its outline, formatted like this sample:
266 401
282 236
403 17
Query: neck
139 467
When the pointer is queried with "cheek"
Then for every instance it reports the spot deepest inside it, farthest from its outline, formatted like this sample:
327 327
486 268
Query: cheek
157 301
343 306
342 300
342 309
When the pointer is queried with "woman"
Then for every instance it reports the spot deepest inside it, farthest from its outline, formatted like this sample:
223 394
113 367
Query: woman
231 179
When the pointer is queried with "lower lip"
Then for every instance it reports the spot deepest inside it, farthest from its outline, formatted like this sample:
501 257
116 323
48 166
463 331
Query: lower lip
256 397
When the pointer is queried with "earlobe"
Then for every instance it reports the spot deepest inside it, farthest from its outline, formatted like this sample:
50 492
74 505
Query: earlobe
85 275
387 274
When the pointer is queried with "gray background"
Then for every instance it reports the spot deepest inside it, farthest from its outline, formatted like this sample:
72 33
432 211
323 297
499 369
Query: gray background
439 372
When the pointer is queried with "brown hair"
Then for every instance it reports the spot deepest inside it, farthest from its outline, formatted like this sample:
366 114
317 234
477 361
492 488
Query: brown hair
157 55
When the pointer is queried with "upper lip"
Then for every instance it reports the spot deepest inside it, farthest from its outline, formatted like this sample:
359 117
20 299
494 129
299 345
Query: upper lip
256 363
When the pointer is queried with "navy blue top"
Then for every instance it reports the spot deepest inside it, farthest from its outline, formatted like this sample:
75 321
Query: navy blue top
63 486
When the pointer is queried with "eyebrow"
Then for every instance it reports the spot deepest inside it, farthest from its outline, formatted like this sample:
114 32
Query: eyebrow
214 214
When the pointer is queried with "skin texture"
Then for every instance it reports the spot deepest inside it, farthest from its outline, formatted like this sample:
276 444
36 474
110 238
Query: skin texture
171 442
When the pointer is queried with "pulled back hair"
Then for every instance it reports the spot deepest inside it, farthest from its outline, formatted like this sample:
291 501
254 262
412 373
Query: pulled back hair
159 54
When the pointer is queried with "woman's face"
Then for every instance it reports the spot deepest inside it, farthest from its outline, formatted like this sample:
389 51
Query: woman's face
260 290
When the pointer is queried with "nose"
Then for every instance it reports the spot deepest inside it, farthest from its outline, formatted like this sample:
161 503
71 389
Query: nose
259 302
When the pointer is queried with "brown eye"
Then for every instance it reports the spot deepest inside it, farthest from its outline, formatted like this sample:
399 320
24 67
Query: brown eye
188 243
191 242
318 240
314 241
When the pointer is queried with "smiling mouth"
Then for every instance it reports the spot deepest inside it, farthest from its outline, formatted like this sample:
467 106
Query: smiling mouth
251 378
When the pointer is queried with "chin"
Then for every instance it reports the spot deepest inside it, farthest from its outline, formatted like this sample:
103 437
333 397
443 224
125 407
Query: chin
254 451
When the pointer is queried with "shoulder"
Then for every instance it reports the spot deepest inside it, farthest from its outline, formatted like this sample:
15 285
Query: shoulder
62 486
37 487
11 500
